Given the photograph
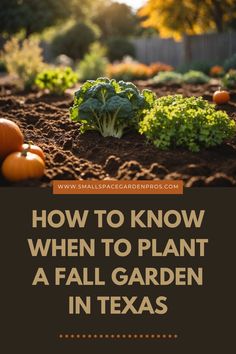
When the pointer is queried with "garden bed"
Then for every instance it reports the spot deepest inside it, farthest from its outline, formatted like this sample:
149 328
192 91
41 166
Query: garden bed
69 155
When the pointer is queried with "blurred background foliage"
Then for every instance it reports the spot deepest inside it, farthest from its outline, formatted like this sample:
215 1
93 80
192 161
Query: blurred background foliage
173 18
88 34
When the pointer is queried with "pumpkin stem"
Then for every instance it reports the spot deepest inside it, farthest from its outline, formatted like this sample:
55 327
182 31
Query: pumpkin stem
24 152
30 143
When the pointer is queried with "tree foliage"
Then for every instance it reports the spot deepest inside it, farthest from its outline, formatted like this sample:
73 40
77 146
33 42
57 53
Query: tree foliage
75 40
35 15
115 20
173 18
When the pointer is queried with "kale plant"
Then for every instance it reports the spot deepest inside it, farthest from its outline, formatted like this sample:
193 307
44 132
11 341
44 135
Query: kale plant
110 107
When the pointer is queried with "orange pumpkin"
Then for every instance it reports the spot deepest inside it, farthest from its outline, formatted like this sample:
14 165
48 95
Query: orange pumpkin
20 166
34 149
11 137
221 97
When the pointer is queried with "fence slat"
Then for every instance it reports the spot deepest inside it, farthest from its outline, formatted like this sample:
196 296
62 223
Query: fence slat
213 47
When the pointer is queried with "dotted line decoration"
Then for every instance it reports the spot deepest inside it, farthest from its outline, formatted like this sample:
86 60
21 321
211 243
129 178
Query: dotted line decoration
119 336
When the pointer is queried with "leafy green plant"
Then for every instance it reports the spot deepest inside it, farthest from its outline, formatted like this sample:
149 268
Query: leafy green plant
230 63
94 63
192 123
110 107
56 80
229 80
195 77
23 59
168 77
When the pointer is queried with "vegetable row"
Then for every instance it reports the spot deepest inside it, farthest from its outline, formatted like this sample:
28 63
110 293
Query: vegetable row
113 108
24 60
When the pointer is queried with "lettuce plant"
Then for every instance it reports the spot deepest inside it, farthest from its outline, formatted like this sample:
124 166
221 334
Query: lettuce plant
56 80
168 77
192 123
195 77
110 107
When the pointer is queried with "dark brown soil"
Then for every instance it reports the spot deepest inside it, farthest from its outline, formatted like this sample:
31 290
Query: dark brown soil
45 121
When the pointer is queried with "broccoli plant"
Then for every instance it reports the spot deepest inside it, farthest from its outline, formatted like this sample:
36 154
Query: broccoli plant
188 122
56 80
110 107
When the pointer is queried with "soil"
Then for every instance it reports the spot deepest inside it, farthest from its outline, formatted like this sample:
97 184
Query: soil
44 119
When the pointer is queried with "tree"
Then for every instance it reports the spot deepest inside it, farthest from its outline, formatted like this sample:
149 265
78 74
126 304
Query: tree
116 20
173 18
35 15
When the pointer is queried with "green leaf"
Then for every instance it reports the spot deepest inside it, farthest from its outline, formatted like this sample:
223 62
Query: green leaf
89 109
192 123
119 107
149 96
109 106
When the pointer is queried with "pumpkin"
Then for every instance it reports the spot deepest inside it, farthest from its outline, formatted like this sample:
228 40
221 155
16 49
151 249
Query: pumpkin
221 97
20 166
34 149
11 137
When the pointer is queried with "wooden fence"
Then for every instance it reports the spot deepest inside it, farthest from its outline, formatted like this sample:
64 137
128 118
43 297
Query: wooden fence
215 47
